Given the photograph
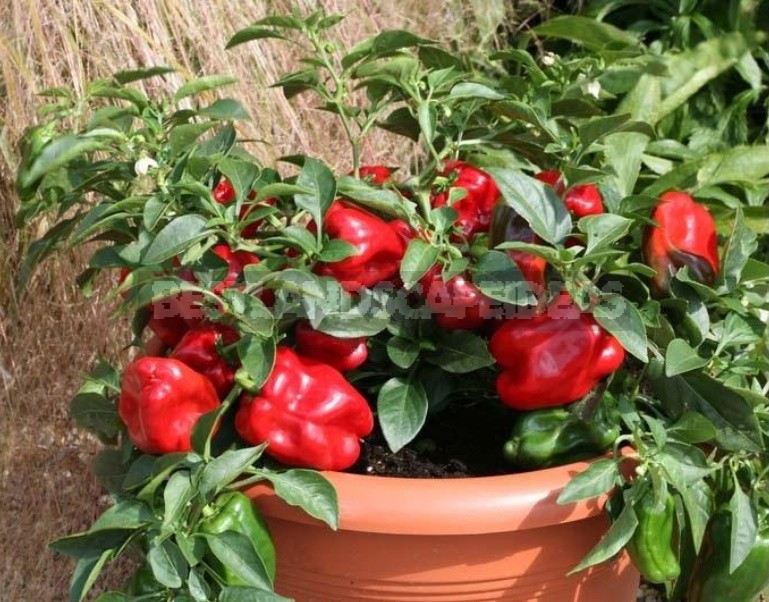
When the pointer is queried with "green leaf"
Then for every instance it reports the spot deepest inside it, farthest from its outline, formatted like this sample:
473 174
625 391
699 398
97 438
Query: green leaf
178 491
460 352
235 551
309 490
744 527
175 237
249 594
198 587
90 543
499 277
109 469
203 84
586 31
736 425
596 128
317 178
402 410
613 541
536 202
241 174
603 230
623 152
226 108
96 414
168 564
737 331
402 352
251 33
374 197
475 90
596 480
740 164
692 427
623 320
740 246
680 358
224 469
698 501
125 514
337 249
57 154
419 258
87 571
257 356
182 137
427 116
126 77
251 313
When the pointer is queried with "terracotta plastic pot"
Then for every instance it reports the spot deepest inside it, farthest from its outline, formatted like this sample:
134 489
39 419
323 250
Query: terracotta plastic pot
447 540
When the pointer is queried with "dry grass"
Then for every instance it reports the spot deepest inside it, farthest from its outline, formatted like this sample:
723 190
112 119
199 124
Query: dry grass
51 335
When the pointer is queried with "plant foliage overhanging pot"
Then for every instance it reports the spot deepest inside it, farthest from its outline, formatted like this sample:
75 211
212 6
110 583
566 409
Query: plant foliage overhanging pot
540 252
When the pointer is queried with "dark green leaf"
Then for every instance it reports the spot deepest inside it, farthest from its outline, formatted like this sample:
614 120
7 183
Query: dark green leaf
310 491
57 154
596 480
177 236
251 33
109 469
744 527
536 202
125 514
592 34
460 352
623 320
402 352
168 564
316 177
739 247
499 277
203 84
95 413
87 571
224 469
249 594
603 230
126 77
257 355
420 256
680 358
402 410
613 541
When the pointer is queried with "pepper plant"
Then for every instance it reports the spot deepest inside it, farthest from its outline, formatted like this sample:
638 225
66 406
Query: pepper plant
556 251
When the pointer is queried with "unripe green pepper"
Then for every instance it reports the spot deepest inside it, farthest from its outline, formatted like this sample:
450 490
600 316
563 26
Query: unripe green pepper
234 511
711 581
556 436
651 547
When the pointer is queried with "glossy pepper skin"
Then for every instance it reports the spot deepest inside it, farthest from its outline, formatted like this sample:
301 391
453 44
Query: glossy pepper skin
457 304
342 354
160 401
554 178
198 349
307 412
581 200
556 436
224 194
553 358
236 261
685 235
508 226
377 174
380 248
234 511
474 210
711 581
651 546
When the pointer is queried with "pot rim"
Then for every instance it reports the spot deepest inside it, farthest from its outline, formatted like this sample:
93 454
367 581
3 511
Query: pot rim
451 506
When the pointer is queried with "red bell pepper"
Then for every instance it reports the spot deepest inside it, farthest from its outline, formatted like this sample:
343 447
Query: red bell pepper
457 304
685 235
380 248
378 174
160 401
198 349
339 353
307 412
581 201
236 261
554 178
553 358
224 194
474 210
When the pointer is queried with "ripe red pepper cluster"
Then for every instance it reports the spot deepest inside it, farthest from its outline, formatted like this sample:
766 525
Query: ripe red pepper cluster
307 411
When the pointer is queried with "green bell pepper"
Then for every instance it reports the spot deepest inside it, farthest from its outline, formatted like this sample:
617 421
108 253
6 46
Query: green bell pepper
651 547
711 581
233 511
556 436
